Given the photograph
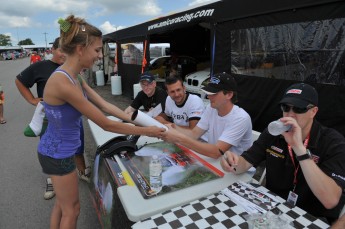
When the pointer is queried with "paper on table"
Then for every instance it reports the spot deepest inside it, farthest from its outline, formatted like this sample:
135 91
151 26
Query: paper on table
252 199
143 119
155 111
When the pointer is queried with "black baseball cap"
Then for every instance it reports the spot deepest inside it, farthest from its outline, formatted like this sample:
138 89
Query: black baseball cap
56 43
300 95
220 82
147 76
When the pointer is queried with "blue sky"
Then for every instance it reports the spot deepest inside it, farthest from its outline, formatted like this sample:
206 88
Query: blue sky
37 19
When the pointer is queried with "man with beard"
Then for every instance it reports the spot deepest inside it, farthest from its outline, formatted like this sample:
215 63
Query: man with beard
181 108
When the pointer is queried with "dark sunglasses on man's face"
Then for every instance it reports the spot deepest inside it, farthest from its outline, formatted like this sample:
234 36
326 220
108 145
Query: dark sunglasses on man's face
297 110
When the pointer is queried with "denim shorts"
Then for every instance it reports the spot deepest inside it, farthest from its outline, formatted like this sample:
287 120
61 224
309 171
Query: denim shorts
52 166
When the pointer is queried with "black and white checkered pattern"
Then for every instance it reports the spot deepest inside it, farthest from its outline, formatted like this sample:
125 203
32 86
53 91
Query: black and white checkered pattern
299 217
215 211
218 211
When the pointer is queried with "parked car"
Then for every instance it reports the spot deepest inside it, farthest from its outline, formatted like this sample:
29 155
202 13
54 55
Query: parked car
196 80
16 54
160 66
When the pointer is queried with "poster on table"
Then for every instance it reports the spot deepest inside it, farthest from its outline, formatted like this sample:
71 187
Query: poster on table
181 168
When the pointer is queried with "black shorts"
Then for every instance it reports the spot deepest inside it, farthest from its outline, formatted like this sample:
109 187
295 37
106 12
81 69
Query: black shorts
52 166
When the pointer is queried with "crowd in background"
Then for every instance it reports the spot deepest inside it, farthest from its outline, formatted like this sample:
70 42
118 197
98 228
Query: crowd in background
14 54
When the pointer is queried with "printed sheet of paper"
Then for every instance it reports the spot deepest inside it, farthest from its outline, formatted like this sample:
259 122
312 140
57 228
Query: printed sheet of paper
252 199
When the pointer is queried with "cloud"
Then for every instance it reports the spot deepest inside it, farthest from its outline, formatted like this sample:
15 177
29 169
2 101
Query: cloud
131 7
33 18
21 13
107 27
201 2
18 13
15 21
23 8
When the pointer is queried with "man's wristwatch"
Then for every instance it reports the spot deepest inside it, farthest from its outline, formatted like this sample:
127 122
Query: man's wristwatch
305 156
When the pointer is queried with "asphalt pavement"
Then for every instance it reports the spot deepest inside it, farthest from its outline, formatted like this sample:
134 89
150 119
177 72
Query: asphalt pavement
22 182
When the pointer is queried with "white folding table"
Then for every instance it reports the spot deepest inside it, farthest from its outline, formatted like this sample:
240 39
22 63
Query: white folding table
137 208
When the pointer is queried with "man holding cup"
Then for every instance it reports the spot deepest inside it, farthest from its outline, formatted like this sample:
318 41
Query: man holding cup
304 165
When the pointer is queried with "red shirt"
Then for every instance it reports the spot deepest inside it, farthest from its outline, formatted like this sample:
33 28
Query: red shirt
35 58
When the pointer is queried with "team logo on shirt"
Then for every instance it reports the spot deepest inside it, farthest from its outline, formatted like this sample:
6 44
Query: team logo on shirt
276 149
184 116
338 176
275 152
196 113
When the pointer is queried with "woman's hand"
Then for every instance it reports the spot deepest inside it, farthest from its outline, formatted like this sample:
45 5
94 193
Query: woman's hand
153 131
172 135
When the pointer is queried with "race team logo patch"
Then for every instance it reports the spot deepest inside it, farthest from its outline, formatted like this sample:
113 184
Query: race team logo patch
294 91
277 149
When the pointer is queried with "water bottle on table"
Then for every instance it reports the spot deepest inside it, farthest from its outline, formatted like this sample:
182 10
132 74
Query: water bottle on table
155 174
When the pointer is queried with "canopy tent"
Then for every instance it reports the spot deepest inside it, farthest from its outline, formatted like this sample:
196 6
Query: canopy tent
247 34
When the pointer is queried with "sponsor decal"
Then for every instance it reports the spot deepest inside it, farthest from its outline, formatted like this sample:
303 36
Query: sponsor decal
275 154
294 91
185 18
338 176
183 116
196 112
215 80
277 149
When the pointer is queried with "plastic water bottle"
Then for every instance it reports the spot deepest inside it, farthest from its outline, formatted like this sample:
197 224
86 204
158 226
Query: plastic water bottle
155 174
276 128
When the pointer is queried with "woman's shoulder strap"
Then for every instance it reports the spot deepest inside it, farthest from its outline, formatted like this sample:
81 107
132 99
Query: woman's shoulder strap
66 74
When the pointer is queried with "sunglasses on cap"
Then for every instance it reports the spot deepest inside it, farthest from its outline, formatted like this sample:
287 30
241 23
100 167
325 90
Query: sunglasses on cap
297 110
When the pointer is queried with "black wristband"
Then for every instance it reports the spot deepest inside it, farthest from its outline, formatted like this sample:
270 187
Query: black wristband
305 156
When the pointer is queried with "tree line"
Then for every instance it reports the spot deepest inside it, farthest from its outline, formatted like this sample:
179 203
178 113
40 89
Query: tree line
5 40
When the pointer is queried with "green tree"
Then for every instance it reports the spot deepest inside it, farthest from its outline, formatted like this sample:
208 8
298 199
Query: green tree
5 40
27 41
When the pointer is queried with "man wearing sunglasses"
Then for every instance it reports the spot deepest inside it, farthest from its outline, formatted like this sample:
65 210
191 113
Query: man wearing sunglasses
306 164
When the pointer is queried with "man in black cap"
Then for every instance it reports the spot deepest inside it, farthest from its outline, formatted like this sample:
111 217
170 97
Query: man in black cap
306 164
150 95
226 125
